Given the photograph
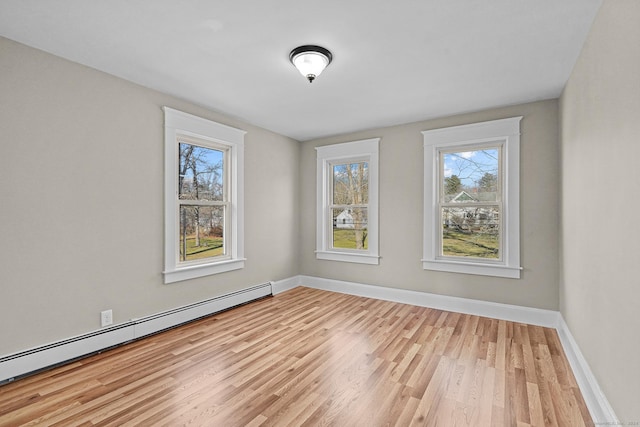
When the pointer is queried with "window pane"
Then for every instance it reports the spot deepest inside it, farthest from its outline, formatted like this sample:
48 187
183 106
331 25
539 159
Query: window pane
201 232
470 176
201 173
350 228
351 184
471 232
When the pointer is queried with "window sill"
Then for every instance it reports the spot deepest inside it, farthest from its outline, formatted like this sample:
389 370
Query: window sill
472 268
348 257
201 270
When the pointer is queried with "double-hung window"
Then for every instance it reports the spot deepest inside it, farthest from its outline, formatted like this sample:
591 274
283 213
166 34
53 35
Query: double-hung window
203 197
347 200
471 212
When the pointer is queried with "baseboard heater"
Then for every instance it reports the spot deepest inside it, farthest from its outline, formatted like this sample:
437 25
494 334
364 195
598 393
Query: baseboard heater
36 359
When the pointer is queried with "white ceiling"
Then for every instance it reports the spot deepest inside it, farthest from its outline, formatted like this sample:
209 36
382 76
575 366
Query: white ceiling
394 61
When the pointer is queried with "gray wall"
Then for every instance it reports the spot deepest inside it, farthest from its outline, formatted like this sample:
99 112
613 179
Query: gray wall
599 286
81 176
81 204
401 201
81 201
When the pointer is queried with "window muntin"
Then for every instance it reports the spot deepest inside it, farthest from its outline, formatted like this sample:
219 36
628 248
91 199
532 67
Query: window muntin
470 202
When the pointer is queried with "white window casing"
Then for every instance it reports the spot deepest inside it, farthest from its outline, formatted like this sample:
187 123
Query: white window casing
339 154
503 135
183 127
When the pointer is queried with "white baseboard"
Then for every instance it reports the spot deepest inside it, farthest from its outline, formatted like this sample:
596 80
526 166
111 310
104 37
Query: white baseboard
599 407
24 362
284 285
597 403
514 313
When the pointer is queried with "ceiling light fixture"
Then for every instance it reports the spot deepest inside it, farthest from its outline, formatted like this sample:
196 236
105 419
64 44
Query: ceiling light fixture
310 60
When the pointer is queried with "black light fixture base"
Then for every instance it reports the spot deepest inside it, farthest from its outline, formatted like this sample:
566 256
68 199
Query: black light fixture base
310 48
297 58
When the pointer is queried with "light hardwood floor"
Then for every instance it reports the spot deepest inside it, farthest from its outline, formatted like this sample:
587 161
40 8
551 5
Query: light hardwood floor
311 357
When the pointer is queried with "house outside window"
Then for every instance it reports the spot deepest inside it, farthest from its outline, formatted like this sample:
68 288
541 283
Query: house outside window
471 202
347 202
203 197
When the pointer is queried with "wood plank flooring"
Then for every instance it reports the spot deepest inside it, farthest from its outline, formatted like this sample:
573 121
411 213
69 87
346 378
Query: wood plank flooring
313 358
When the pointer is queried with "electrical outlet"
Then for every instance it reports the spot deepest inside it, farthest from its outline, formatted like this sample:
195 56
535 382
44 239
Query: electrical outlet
106 318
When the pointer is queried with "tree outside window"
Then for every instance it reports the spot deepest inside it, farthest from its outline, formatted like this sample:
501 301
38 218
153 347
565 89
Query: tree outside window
350 202
201 194
470 203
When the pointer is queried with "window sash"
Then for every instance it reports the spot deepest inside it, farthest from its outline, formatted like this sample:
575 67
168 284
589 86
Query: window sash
335 227
226 165
441 235
226 187
226 254
441 204
348 162
331 206
495 145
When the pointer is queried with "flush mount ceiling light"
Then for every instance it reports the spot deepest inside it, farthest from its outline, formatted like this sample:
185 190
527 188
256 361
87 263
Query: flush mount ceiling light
310 60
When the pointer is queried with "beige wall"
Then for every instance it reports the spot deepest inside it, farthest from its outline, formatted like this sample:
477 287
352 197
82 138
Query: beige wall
81 184
81 204
401 201
600 121
81 201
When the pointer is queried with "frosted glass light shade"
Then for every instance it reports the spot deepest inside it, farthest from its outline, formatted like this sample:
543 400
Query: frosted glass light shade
310 60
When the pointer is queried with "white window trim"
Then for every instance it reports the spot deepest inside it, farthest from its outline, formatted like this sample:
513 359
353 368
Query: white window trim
327 155
507 131
179 124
